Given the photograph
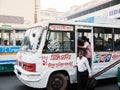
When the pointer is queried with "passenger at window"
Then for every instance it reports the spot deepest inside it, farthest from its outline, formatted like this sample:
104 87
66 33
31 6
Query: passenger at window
0 41
6 42
98 44
45 48
110 45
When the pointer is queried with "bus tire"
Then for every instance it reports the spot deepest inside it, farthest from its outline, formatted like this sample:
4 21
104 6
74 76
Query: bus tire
57 81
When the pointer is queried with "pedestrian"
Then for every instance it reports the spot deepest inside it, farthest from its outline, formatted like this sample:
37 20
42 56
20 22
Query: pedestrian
87 48
83 71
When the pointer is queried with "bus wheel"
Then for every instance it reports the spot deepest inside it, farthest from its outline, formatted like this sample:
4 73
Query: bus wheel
57 81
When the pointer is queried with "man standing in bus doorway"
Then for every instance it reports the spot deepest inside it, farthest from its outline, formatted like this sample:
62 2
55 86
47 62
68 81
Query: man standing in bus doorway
87 48
83 71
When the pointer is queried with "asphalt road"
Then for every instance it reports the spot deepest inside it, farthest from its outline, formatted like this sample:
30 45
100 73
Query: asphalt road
8 81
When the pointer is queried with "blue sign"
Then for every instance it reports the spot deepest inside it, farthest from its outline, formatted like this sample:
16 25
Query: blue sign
7 49
89 20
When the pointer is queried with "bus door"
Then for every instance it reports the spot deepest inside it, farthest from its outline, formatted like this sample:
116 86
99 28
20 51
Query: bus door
87 32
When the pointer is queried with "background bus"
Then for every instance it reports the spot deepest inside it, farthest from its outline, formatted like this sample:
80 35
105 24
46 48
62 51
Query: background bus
49 53
10 41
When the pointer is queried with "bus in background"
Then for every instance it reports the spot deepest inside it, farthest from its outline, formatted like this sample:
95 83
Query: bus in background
49 52
10 42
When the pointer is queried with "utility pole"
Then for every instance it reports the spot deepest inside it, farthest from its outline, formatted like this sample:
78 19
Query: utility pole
35 13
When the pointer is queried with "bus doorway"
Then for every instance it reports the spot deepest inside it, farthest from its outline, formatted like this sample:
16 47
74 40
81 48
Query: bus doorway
85 43
85 32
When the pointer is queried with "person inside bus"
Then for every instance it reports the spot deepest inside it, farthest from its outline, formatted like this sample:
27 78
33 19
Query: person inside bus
6 42
80 43
110 44
87 48
117 44
45 48
98 43
0 41
18 42
83 71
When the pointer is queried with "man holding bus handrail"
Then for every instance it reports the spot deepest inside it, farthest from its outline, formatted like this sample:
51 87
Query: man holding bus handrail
87 48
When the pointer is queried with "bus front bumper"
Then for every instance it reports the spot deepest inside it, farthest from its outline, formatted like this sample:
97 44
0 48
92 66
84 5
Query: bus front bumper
28 78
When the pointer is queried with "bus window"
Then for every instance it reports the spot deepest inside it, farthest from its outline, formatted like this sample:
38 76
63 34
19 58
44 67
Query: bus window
102 39
19 36
68 42
1 39
60 42
11 37
117 39
6 37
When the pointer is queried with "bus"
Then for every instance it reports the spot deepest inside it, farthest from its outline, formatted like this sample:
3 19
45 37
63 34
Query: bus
10 42
49 52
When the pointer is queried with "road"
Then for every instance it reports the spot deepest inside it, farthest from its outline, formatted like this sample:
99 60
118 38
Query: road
8 81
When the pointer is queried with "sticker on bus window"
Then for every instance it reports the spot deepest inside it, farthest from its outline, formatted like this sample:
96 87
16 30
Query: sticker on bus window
54 45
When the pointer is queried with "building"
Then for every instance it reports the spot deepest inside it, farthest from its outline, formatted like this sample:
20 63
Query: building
19 11
49 14
94 10
15 17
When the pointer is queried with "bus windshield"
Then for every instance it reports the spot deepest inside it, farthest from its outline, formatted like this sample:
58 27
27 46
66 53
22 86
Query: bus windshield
32 39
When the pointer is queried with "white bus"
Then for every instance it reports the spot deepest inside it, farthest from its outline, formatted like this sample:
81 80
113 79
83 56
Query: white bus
49 52
10 42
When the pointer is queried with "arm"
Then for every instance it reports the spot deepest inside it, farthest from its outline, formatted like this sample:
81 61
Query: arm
88 67
75 64
84 46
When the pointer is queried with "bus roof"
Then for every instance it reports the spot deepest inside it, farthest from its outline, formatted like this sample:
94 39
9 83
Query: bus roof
46 23
10 27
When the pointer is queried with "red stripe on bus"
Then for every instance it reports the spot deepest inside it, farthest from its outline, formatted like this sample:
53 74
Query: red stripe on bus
106 69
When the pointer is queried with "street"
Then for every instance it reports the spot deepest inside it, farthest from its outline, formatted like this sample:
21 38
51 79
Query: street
8 81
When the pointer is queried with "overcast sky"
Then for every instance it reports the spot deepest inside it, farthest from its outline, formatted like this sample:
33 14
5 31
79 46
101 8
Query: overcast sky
61 5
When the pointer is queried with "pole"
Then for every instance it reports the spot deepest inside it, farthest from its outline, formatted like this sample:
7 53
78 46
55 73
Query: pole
35 13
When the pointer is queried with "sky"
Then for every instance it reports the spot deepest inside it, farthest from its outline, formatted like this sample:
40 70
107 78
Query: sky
61 5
